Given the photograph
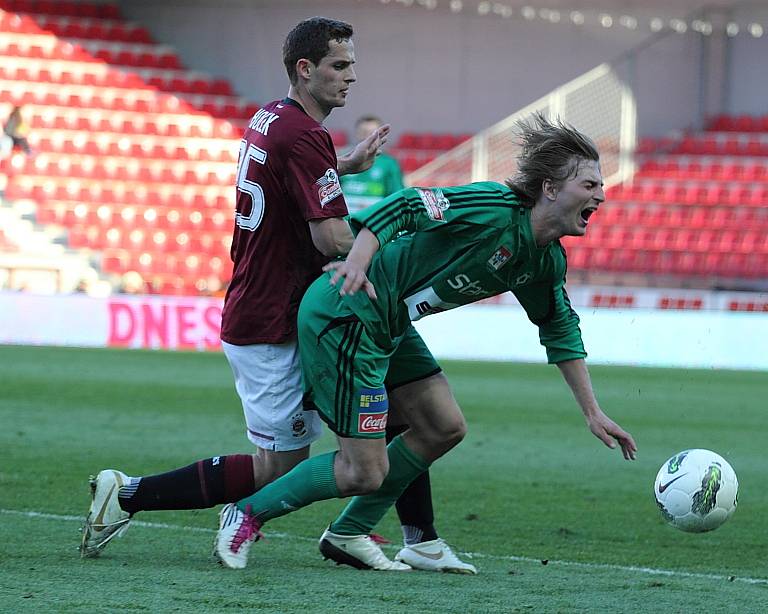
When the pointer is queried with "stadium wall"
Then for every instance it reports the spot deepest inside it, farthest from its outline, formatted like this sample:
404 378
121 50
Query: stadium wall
747 90
500 331
423 70
442 72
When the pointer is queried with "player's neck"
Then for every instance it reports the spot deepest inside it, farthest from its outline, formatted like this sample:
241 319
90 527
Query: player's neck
308 103
544 224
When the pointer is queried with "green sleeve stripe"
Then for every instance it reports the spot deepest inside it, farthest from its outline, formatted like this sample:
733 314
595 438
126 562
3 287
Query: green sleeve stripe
482 203
476 188
387 214
483 189
384 217
378 225
383 211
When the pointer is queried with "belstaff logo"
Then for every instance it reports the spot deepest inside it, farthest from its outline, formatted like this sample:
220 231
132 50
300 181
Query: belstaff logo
366 400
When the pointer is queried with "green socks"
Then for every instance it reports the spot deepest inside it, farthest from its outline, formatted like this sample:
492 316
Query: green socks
364 512
313 480
309 481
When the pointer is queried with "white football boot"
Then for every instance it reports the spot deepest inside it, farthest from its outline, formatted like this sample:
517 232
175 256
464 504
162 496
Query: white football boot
434 555
358 551
237 532
106 519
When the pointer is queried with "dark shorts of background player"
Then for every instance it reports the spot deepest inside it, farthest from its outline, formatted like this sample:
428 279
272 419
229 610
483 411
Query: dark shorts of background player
346 373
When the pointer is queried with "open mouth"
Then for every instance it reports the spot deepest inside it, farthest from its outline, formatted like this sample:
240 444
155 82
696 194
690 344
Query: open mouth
587 212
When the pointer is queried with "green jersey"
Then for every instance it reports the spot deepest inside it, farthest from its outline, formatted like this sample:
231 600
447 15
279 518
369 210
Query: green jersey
364 189
441 248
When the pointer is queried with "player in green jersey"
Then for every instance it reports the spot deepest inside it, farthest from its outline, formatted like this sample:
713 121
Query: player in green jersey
422 547
382 179
425 251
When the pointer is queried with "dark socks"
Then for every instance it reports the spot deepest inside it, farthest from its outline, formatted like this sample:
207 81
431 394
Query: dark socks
208 482
414 507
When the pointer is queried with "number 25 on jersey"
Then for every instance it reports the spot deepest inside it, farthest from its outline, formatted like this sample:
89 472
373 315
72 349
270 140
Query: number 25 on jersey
250 195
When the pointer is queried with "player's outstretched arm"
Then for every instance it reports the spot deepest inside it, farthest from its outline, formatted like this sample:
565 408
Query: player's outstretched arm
606 430
362 156
353 269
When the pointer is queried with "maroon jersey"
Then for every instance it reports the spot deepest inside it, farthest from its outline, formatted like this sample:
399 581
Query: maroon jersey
286 176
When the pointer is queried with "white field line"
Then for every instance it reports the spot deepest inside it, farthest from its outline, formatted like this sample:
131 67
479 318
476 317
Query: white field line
473 555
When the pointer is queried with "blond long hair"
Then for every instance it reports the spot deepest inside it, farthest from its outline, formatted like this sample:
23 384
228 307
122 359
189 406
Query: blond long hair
550 150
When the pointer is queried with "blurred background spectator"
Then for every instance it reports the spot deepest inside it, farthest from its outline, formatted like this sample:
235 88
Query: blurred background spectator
15 132
382 179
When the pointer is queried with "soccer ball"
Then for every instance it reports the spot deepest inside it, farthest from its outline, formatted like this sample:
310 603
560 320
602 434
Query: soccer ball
696 490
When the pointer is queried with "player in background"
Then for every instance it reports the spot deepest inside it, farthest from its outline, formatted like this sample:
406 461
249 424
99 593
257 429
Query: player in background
364 189
461 244
288 223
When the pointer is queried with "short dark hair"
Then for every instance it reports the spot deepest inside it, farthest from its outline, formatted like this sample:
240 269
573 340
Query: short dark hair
309 40
550 150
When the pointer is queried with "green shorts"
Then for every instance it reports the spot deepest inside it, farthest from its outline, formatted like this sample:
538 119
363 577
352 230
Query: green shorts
346 373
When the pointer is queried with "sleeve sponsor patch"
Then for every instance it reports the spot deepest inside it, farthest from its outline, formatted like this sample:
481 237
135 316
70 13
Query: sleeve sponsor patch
434 202
328 187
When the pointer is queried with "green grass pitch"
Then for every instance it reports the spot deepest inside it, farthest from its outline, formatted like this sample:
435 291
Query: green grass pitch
529 484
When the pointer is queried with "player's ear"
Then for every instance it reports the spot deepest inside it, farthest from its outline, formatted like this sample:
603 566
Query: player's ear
549 189
304 68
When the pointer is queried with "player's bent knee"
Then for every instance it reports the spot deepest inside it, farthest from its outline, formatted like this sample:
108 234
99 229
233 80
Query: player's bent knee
360 479
457 430
450 432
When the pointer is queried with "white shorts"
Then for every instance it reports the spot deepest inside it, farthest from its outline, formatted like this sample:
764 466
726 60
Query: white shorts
268 380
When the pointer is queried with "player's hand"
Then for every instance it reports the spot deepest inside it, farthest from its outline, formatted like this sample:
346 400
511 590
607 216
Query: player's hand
362 156
354 277
610 433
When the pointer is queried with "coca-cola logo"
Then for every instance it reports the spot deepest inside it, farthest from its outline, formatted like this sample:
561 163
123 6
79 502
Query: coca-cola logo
372 423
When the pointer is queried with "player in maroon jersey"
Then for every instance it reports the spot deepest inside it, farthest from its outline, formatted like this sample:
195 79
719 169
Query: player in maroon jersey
289 222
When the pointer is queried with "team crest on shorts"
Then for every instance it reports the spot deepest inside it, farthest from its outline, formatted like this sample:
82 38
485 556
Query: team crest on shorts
373 406
434 202
298 425
328 187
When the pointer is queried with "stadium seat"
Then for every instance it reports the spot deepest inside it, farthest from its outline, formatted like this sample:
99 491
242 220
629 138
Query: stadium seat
695 201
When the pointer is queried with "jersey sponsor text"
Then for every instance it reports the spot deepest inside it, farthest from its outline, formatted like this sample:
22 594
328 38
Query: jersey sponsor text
463 285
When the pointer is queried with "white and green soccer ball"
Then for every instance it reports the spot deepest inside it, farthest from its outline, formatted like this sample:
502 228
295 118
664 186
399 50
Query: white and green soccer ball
696 490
